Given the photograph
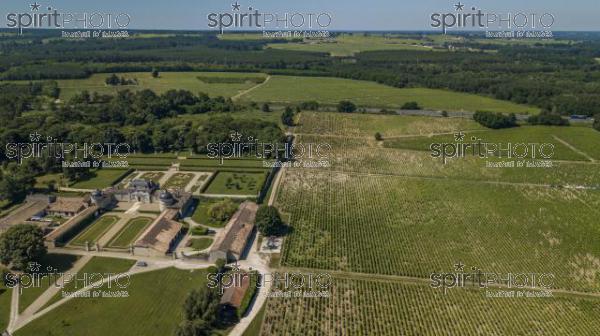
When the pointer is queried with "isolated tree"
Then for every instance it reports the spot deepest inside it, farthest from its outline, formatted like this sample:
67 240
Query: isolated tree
287 118
445 114
346 106
266 108
268 221
113 80
155 73
21 244
378 136
222 210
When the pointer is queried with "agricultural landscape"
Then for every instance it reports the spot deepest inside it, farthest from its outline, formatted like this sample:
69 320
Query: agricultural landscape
380 213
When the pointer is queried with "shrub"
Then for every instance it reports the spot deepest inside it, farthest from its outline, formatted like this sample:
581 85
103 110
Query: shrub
495 120
346 106
287 118
597 122
547 118
412 105
223 210
309 105
378 136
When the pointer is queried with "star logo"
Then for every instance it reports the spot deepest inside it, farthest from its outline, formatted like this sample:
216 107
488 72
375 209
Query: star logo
35 137
235 6
35 6
235 266
460 136
459 266
34 267
459 6
235 136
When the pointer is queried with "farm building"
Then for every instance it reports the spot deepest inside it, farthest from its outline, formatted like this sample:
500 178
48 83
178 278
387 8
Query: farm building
67 206
161 237
71 227
234 295
231 242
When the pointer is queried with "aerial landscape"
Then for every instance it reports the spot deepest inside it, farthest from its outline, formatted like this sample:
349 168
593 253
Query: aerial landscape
185 182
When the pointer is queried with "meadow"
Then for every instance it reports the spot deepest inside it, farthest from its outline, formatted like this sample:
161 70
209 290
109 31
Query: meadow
166 81
330 90
153 307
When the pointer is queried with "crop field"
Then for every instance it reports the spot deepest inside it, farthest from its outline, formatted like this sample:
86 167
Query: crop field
93 232
393 308
366 125
424 225
130 232
556 136
329 90
178 181
166 81
229 183
101 178
348 45
153 307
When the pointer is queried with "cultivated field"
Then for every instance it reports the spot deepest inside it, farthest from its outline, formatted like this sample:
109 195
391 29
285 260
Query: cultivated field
166 81
348 45
329 90
363 307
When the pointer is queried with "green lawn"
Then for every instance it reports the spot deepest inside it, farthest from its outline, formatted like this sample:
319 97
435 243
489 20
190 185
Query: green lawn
58 262
5 299
201 216
254 327
100 179
166 81
200 244
229 183
329 90
97 265
153 308
130 232
93 233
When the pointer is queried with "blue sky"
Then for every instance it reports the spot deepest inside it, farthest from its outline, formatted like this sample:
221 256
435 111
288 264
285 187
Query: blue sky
347 14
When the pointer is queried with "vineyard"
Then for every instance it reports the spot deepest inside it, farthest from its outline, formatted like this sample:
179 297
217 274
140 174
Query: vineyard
362 307
413 226
380 214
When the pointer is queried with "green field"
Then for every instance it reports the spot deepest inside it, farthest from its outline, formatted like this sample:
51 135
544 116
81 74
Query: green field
101 178
166 81
93 232
584 137
128 234
5 299
200 244
228 183
178 181
329 90
200 214
94 267
348 45
58 262
363 307
154 307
